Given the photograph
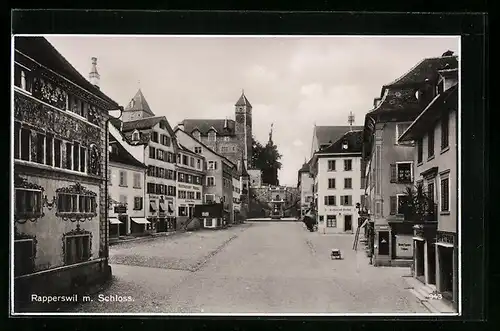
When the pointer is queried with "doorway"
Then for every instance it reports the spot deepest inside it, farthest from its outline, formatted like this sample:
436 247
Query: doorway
446 263
431 262
123 226
420 261
190 211
348 223
383 243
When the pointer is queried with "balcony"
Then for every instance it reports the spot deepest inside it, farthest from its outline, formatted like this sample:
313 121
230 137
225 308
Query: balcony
408 214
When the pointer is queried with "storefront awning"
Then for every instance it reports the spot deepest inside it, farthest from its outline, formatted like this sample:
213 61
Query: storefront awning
418 238
447 245
162 206
139 220
152 205
115 221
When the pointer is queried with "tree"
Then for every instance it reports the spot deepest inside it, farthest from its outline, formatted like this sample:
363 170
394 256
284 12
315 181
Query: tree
418 206
266 158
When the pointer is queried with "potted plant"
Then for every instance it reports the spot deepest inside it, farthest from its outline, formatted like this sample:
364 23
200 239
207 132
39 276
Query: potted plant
417 206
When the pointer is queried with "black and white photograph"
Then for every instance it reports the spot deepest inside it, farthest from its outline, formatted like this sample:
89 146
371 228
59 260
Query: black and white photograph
235 175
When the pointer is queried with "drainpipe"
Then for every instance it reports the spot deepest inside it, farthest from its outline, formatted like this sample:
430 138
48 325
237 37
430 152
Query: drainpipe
106 194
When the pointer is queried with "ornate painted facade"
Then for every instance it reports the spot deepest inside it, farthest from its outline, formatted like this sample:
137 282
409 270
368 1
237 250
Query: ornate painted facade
59 226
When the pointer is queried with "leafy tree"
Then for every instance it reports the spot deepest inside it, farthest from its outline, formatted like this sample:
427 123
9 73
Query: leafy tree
418 206
267 159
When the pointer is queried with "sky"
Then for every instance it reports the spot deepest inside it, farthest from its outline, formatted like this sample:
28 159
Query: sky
292 82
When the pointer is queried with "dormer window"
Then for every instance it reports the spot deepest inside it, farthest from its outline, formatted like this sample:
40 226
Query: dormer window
136 136
211 135
345 145
196 134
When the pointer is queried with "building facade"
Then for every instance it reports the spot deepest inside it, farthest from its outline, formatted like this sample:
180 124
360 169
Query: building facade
305 186
435 133
338 182
219 173
190 178
126 189
255 176
389 163
60 152
156 136
227 137
325 135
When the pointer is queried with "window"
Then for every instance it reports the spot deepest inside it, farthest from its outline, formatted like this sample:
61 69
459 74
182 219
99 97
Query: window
189 179
445 131
137 180
430 191
185 160
75 105
178 158
211 136
397 204
152 152
28 203
212 165
154 136
209 198
72 203
57 153
182 194
330 200
430 144
197 150
445 194
226 138
331 221
166 140
331 183
159 155
76 156
400 129
208 222
402 201
420 151
150 188
68 164
347 182
136 136
24 250
181 177
25 144
123 178
210 181
404 172
77 248
331 165
346 200
198 164
82 159
190 195
224 149
191 162
347 165
22 78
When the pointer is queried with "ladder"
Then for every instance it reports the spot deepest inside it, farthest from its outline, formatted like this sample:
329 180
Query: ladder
356 239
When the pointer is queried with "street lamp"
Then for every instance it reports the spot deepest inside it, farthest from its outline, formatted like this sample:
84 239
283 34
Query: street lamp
119 112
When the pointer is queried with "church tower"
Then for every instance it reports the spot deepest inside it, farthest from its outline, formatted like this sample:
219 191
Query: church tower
137 108
243 127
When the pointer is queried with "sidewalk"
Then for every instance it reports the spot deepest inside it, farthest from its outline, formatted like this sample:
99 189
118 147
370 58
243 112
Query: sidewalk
143 238
423 293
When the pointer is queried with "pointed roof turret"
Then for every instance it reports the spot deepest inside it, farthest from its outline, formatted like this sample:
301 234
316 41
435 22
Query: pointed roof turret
139 102
243 101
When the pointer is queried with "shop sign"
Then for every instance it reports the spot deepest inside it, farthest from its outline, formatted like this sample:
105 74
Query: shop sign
338 209
120 209
404 246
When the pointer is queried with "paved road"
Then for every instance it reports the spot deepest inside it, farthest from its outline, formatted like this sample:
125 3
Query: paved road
262 267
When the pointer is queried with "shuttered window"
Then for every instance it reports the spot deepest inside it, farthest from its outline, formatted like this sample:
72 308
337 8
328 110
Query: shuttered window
393 203
393 173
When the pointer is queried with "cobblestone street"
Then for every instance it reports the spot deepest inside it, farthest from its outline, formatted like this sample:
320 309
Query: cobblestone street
266 267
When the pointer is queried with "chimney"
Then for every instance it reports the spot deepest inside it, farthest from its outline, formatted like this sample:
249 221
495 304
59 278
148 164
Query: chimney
225 123
94 76
181 126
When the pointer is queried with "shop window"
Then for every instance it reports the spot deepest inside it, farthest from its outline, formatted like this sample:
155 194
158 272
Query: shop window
331 221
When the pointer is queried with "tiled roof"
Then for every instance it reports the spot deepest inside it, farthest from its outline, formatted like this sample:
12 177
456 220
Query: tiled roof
187 150
121 155
139 102
425 69
354 141
395 99
144 124
42 51
243 101
431 113
330 134
204 125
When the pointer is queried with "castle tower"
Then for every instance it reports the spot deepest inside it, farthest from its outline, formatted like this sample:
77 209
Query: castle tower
243 127
137 108
94 76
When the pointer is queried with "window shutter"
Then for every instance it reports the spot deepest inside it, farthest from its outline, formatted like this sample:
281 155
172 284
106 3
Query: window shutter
341 200
326 200
393 173
393 205
349 200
